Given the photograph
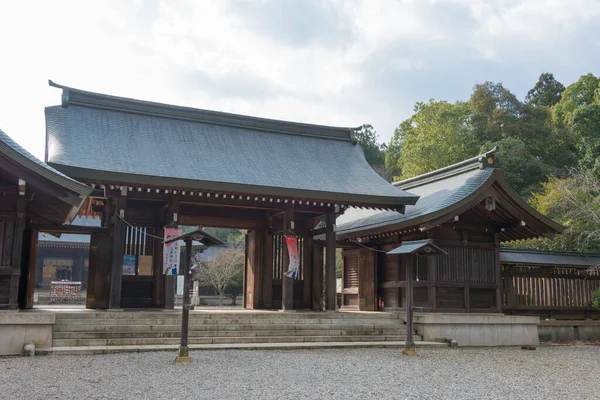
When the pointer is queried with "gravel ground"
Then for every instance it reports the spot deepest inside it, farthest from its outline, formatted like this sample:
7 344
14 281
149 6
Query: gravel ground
551 372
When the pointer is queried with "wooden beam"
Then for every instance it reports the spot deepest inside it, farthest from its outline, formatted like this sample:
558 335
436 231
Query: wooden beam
230 200
76 229
330 281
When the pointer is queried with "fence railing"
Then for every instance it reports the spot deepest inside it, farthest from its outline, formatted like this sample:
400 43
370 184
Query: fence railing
549 288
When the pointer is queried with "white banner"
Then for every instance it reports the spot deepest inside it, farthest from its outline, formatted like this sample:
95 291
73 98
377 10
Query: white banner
171 252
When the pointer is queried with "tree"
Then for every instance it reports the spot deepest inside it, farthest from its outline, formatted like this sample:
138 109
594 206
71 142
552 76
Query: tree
437 135
546 92
573 201
224 271
495 112
227 235
576 119
368 139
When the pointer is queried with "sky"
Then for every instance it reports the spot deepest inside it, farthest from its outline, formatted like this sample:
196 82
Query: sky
330 62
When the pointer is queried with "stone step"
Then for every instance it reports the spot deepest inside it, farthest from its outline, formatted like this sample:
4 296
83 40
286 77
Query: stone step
87 350
223 315
176 333
177 321
218 327
224 340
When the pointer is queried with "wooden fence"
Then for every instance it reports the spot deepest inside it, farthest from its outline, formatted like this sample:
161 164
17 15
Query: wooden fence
548 290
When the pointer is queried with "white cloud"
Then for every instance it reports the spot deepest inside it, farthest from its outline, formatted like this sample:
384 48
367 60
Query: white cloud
336 62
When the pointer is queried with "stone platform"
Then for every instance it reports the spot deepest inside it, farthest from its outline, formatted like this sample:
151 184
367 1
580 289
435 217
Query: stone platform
18 328
479 329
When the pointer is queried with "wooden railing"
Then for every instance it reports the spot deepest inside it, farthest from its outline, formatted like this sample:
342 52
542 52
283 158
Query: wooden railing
543 288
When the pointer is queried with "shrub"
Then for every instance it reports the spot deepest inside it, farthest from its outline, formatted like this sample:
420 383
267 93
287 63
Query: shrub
596 299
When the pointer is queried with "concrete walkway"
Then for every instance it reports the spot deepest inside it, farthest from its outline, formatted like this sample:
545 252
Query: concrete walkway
85 350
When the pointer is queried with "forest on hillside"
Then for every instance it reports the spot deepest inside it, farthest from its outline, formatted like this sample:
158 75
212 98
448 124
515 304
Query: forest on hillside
549 149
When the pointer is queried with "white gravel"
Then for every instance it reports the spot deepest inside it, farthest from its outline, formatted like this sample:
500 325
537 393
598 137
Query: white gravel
550 372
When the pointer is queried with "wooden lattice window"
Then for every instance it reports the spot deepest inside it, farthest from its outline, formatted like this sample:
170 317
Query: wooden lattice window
351 270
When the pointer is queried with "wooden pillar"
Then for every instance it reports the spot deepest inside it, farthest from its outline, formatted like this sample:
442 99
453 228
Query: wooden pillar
330 281
317 277
307 271
412 263
118 249
267 272
184 353
431 266
28 269
287 283
16 255
498 272
253 268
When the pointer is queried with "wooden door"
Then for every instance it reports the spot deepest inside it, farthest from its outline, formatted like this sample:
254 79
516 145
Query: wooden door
367 280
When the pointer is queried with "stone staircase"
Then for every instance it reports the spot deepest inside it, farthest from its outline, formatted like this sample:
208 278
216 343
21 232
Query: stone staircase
144 328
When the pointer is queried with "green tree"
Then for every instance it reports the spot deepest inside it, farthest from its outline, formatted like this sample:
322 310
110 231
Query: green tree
494 112
573 201
576 121
546 92
368 139
438 134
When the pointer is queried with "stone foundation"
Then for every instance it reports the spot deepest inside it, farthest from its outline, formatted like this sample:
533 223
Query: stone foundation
569 330
478 329
18 328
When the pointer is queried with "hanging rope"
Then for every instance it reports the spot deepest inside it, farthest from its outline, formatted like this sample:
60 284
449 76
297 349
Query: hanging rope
138 229
369 248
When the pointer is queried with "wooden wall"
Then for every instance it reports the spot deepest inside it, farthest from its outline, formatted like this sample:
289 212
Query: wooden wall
467 280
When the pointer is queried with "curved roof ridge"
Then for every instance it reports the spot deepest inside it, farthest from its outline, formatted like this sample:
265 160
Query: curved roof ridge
480 161
82 98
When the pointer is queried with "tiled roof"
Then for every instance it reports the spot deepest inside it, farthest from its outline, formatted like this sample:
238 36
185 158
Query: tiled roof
107 138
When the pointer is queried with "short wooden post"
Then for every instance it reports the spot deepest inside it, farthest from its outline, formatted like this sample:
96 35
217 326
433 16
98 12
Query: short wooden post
184 351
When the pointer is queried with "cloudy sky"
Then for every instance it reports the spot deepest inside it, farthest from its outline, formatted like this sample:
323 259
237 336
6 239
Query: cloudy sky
332 62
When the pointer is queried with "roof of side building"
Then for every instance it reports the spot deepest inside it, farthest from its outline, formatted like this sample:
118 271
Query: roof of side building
447 193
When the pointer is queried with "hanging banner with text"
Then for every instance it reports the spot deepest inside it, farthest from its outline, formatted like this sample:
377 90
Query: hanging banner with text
292 246
171 252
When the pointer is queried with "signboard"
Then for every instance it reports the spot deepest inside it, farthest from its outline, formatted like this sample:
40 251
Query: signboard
292 246
129 261
171 252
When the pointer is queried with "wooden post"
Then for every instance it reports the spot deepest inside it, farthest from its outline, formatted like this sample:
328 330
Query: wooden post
330 283
431 260
117 254
307 270
317 281
31 268
16 254
409 347
498 272
267 274
287 283
184 351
